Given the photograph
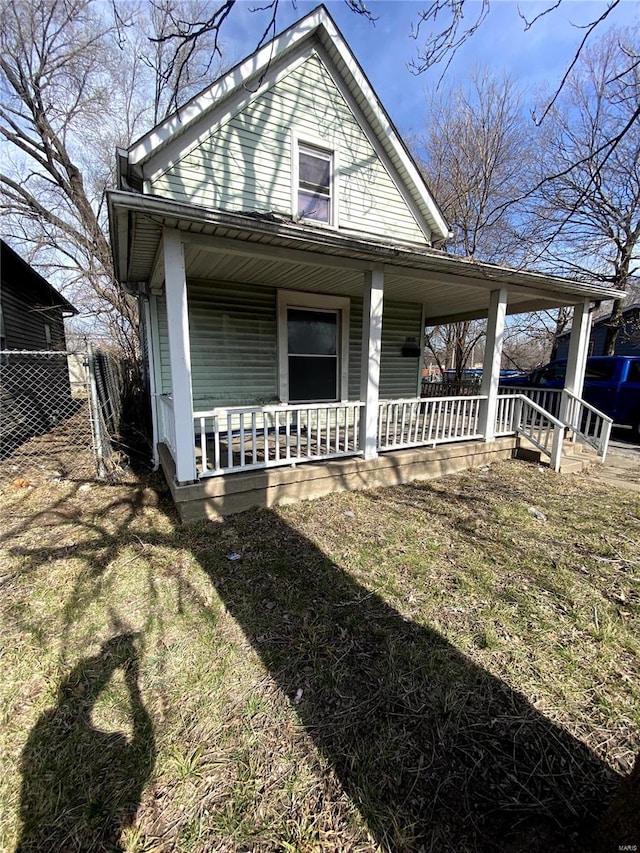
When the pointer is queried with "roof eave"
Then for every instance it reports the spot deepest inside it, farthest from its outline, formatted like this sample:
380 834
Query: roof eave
120 203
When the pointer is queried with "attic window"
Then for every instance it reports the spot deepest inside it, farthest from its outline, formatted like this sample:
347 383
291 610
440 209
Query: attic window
315 173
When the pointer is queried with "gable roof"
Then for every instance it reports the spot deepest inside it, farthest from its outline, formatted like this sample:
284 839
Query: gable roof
16 272
317 32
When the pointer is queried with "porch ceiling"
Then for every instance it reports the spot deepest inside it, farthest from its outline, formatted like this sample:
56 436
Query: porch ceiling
260 250
440 297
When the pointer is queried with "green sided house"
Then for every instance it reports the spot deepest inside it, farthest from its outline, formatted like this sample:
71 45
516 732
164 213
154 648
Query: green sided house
286 254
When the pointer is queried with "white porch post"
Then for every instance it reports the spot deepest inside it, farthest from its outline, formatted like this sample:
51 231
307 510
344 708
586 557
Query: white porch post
491 366
149 317
578 347
179 354
577 356
370 365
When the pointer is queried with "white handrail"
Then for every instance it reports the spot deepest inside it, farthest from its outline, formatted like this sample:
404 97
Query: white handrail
594 429
537 430
427 421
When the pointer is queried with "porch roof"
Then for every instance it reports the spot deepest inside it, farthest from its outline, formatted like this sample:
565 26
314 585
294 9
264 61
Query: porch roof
244 247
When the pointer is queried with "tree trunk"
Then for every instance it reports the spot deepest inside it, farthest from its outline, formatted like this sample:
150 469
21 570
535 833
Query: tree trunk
613 328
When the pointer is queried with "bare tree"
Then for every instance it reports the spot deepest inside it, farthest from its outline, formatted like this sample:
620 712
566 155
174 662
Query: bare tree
590 205
475 156
53 57
75 82
447 25
183 29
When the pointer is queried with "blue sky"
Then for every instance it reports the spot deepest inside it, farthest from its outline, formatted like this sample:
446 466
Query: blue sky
536 59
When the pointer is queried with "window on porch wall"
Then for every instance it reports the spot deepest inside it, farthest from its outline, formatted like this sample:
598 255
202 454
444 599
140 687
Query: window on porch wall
312 337
313 347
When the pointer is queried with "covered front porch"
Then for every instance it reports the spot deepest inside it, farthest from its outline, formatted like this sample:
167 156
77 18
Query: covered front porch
274 346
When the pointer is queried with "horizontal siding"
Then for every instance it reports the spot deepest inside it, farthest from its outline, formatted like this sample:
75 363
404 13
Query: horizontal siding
355 348
233 344
399 374
234 354
164 368
246 164
24 323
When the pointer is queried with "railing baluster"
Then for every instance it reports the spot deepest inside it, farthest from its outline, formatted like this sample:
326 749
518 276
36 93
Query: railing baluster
318 432
254 438
242 450
229 442
287 434
216 443
345 440
265 434
203 443
403 419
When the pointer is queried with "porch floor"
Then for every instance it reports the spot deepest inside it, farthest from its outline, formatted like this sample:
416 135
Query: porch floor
216 497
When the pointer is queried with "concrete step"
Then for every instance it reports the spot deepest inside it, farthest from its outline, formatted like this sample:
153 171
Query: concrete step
575 458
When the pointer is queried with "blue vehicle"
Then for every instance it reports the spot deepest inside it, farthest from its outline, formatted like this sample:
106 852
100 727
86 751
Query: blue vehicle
611 384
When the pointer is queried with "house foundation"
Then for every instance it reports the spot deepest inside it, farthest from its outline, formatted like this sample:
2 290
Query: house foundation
216 497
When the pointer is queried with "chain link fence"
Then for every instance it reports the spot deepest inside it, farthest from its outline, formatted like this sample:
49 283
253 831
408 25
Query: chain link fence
60 415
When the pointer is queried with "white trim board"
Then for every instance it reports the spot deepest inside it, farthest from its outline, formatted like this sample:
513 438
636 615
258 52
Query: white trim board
298 299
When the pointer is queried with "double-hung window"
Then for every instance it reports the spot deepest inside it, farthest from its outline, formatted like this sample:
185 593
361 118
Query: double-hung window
313 347
315 183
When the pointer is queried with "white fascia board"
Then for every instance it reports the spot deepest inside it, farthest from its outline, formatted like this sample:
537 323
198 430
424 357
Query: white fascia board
181 145
386 129
119 232
177 123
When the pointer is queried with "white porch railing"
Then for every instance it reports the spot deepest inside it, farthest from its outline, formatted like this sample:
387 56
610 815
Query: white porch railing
547 398
167 422
517 413
257 437
420 421
254 437
588 424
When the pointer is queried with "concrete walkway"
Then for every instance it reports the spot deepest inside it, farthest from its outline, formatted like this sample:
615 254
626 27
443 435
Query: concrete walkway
622 465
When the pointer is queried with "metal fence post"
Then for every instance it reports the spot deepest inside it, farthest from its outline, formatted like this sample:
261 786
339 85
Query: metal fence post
96 423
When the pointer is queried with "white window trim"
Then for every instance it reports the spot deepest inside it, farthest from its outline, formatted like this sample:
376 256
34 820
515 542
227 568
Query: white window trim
295 299
308 140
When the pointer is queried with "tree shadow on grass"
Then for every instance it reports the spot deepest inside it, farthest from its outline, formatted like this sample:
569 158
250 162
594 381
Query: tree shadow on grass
437 753
82 786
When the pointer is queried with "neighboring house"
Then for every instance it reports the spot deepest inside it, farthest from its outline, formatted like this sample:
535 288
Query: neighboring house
32 312
285 252
34 374
627 342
